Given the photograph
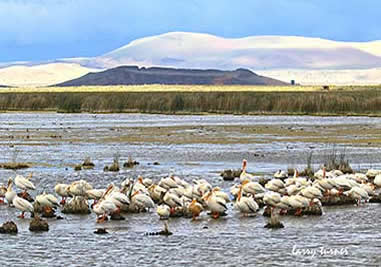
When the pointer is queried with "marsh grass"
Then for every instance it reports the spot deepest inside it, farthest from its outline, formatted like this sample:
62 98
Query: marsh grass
14 165
337 160
211 99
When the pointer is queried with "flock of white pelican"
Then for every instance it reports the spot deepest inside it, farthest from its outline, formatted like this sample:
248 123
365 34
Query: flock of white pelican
172 195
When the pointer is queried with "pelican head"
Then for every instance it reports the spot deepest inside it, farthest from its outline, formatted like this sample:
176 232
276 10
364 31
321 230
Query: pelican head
244 164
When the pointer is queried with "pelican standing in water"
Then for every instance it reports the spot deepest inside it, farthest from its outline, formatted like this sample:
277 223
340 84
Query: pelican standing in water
22 205
24 184
10 194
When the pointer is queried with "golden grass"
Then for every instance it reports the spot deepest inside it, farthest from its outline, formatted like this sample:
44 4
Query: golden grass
14 165
181 88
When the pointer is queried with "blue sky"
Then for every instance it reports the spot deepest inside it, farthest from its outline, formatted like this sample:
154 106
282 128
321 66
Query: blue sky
48 29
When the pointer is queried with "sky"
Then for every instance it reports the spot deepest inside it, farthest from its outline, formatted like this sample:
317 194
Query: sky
36 30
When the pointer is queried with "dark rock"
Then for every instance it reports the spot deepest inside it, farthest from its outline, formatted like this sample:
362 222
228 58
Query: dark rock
130 163
274 222
337 200
165 231
274 226
59 217
87 164
77 205
48 213
177 212
156 163
37 225
101 231
8 228
230 175
78 167
315 210
116 217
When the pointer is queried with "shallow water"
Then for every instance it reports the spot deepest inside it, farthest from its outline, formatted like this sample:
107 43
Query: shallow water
231 241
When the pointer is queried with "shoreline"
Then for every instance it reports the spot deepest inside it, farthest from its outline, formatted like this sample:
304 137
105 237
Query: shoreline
198 113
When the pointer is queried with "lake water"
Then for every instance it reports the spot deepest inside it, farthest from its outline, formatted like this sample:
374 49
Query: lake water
54 143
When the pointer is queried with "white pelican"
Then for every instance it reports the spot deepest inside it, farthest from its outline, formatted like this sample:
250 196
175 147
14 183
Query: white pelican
253 188
360 177
218 193
377 180
298 202
244 175
195 208
247 204
156 192
168 182
24 183
119 199
372 173
163 211
215 204
10 194
280 174
201 187
79 188
284 204
47 200
62 191
326 184
271 198
22 205
104 208
172 200
293 189
147 182
95 194
274 185
358 194
311 192
369 188
141 201
234 190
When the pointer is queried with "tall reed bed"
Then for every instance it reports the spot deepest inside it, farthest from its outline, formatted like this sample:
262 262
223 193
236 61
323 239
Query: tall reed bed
335 102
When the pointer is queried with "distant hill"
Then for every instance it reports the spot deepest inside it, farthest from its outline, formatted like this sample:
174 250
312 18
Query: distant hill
132 75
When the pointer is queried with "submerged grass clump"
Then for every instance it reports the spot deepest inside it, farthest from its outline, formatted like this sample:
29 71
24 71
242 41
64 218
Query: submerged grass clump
14 165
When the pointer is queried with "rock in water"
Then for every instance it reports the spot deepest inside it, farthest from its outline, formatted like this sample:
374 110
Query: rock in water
230 175
165 231
337 200
101 231
116 217
8 228
46 212
77 205
37 225
274 222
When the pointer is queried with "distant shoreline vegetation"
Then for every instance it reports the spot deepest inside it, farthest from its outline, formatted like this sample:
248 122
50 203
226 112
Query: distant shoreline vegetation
271 100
